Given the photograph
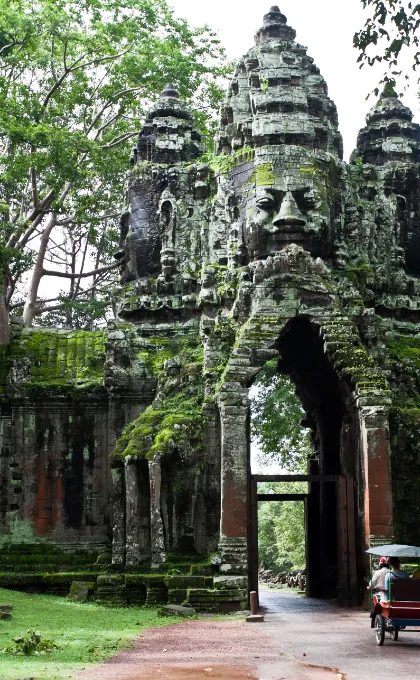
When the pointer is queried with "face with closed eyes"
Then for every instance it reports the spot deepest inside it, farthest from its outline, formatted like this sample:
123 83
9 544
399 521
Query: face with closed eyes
288 211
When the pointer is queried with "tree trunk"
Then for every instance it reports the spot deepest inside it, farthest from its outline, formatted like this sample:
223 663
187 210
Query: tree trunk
37 273
4 317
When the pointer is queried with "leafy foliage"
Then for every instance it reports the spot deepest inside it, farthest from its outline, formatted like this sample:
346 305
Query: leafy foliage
175 418
75 80
281 529
31 643
276 414
391 26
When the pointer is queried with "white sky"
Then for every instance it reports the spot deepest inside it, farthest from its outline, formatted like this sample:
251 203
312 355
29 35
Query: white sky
325 27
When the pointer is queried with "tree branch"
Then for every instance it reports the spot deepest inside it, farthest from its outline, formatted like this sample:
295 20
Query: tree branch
65 275
119 140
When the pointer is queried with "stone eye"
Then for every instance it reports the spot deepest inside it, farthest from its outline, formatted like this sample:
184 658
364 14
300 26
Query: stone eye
266 203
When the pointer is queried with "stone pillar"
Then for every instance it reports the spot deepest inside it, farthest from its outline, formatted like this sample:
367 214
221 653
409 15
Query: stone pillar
158 541
132 514
377 474
118 515
234 413
6 471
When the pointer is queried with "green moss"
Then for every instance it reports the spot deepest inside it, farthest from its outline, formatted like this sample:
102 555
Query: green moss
360 275
404 426
59 361
222 164
352 359
176 417
263 175
404 350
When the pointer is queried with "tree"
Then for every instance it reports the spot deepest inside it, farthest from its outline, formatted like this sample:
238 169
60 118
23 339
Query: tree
276 414
281 529
76 76
391 26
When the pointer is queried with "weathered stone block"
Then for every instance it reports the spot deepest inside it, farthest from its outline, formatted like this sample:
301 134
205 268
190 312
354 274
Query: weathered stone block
230 582
176 610
6 612
112 596
201 570
80 590
234 569
185 582
110 580
177 596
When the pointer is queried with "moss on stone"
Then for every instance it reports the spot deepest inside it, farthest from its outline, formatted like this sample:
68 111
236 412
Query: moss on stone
223 163
404 426
352 359
360 275
263 175
175 418
52 361
404 350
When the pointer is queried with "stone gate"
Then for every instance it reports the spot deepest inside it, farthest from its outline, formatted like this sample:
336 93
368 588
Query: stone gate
137 438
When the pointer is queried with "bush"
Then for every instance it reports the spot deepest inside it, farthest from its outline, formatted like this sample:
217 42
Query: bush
30 644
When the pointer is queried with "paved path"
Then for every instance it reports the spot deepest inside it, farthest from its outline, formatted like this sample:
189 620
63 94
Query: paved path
301 639
319 632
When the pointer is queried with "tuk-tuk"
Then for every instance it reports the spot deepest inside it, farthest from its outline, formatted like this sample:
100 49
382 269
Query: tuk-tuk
399 609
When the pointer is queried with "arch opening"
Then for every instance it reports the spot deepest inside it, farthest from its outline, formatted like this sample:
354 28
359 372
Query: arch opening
326 410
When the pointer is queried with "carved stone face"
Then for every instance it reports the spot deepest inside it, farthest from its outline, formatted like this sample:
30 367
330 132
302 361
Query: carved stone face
289 210
142 243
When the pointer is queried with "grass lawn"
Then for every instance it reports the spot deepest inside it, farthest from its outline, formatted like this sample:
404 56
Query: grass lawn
88 633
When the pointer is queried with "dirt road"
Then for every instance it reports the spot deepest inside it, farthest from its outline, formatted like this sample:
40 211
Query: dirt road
301 639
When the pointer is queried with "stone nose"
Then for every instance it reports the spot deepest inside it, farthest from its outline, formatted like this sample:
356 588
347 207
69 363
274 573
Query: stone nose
289 213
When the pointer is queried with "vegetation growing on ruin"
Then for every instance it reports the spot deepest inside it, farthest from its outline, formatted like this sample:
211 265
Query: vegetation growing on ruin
352 359
86 633
175 417
263 175
361 275
404 350
223 163
404 424
58 361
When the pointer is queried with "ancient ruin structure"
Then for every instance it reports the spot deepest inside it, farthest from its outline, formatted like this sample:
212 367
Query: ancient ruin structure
136 439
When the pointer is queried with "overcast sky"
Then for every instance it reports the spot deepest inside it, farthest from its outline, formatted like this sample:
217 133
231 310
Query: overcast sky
325 27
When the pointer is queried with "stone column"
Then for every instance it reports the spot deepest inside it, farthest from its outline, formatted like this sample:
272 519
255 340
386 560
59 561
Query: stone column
234 413
118 515
132 513
158 542
377 474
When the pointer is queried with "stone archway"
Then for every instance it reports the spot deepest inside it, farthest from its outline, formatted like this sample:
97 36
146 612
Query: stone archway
361 432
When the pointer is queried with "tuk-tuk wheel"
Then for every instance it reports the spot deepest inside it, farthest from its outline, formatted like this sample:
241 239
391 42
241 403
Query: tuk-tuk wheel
379 629
394 634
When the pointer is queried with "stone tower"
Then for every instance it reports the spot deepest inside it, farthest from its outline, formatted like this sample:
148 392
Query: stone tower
277 249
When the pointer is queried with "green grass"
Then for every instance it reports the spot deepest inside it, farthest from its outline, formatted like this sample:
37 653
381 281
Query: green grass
88 633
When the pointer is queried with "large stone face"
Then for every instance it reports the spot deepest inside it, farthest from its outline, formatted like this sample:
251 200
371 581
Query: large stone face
275 249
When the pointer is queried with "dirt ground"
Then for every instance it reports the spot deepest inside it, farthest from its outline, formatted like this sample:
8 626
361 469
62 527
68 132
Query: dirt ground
301 639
